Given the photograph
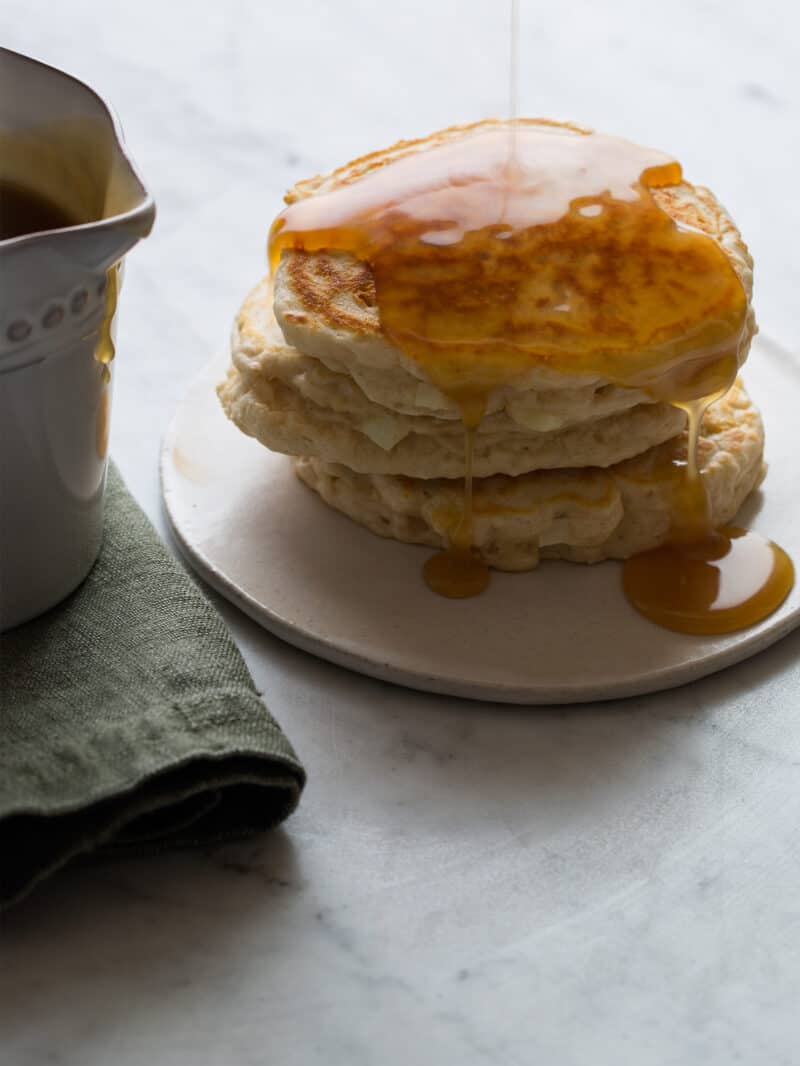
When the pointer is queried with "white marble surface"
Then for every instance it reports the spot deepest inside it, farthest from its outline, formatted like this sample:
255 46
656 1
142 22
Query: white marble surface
463 883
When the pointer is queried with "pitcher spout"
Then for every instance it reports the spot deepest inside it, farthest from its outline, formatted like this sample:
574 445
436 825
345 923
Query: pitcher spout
61 143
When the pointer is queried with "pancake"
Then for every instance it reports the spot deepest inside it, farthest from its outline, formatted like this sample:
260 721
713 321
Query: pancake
373 440
294 403
326 305
259 349
583 515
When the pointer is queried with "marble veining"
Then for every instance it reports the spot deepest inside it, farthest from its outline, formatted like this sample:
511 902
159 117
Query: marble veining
463 883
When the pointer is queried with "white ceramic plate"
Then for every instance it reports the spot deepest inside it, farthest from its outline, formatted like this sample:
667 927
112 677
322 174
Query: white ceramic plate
560 634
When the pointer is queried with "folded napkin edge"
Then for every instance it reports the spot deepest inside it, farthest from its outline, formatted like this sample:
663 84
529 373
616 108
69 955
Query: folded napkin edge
228 723
97 837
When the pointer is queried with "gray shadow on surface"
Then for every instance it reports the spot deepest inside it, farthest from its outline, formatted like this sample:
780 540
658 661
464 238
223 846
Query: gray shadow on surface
106 942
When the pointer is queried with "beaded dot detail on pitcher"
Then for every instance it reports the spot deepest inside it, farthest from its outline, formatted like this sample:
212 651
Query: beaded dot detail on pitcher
52 316
19 330
57 315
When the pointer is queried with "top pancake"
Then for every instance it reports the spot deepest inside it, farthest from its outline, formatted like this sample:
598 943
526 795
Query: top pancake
325 302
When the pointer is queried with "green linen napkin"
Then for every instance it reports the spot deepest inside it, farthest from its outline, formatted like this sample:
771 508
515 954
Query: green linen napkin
128 720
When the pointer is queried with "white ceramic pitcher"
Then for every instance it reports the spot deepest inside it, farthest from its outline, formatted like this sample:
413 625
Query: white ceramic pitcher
58 139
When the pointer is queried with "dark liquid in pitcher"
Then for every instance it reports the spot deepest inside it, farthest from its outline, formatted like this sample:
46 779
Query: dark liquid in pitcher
24 211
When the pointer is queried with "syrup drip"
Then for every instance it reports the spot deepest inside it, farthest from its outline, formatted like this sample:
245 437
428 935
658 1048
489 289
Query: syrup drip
104 354
105 351
102 424
728 580
706 581
458 572
513 66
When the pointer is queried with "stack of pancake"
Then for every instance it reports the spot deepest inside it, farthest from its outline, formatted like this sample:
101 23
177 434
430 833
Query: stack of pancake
565 463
